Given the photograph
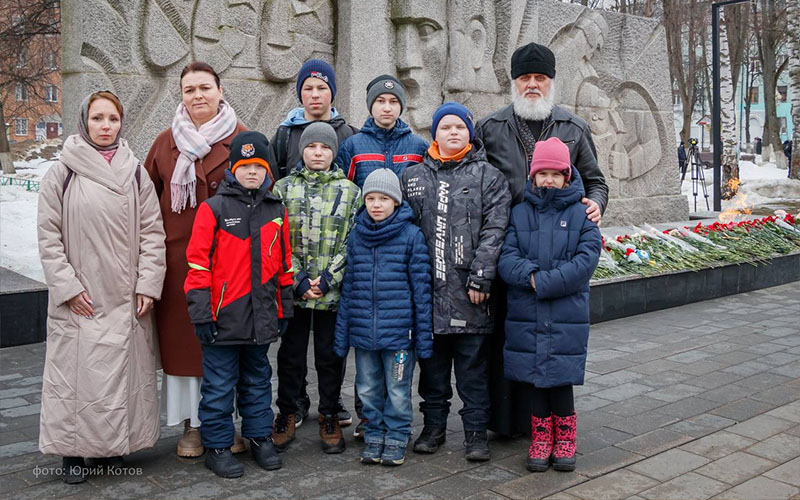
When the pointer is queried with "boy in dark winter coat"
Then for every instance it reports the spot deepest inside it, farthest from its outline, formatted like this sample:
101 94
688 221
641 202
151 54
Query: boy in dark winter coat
385 313
316 90
385 141
462 204
239 291
549 255
322 204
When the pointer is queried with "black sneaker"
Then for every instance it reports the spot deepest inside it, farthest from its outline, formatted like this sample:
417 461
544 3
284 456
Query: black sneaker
358 432
222 463
72 470
430 439
265 454
345 418
303 405
477 446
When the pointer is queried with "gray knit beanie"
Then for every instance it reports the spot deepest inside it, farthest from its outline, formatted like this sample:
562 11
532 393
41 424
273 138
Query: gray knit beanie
320 132
383 181
385 84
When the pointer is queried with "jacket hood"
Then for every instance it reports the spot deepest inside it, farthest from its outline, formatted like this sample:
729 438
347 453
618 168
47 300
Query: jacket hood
83 159
332 174
400 129
231 187
477 153
373 234
297 117
559 199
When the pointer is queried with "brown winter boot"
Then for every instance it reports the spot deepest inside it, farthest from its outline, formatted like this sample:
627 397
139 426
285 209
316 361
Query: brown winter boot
283 431
330 432
190 444
239 445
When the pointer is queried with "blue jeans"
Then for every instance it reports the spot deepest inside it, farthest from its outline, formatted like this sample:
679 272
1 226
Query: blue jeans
386 400
245 371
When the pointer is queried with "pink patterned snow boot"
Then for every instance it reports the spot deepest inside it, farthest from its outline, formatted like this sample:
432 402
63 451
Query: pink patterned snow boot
541 444
565 431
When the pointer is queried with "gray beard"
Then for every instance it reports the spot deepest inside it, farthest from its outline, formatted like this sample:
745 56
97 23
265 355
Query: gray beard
536 110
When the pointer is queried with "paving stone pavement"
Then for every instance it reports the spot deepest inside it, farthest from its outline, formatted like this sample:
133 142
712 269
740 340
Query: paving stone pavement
699 401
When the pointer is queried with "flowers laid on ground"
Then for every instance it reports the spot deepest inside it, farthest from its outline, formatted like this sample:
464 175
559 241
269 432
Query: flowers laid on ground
648 251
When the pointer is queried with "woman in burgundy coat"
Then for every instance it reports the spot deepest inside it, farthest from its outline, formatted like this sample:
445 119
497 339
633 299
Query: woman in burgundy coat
187 164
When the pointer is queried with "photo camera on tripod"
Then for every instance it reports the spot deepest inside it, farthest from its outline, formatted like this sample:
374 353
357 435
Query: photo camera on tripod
697 175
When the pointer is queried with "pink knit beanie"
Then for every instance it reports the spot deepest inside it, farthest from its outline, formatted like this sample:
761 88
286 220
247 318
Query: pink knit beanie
551 154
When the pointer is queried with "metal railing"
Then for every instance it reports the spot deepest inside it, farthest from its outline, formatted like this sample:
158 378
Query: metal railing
29 184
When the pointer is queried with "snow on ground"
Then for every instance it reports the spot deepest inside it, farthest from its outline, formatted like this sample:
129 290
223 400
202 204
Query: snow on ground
761 186
19 250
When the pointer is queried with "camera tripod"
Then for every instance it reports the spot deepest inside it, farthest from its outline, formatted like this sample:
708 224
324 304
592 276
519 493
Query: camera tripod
697 176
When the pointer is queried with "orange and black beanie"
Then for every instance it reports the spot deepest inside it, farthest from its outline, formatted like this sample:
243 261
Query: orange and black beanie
249 147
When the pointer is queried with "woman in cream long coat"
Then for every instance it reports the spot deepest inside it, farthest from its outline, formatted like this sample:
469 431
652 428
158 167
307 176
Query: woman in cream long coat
101 242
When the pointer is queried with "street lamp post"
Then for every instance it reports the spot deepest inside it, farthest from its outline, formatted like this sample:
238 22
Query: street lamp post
716 105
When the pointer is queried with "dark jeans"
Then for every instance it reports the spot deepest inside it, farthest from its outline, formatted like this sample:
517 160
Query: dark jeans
551 400
468 353
356 400
292 361
245 371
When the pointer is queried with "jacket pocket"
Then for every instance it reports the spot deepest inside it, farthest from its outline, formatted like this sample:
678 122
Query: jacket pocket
463 237
271 254
221 298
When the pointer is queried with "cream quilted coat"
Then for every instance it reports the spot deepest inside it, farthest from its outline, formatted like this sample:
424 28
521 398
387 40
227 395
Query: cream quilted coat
103 235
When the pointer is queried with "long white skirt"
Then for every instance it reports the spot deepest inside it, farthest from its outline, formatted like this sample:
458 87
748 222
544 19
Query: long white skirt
181 397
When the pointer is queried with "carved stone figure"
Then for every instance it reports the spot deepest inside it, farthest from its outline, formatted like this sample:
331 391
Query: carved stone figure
421 55
293 31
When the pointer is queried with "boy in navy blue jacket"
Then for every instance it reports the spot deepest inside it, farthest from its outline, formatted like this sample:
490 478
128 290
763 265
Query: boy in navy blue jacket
385 141
549 255
385 313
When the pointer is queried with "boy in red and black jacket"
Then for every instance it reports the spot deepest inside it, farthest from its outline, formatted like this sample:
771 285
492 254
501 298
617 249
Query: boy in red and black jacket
239 291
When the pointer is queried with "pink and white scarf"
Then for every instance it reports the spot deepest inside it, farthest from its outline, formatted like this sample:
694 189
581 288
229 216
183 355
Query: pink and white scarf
193 144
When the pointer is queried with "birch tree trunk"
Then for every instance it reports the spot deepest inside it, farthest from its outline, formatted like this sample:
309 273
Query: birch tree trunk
793 32
730 154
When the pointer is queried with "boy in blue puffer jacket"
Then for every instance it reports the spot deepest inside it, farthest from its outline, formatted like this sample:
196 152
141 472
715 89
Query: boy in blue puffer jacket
385 141
549 255
385 314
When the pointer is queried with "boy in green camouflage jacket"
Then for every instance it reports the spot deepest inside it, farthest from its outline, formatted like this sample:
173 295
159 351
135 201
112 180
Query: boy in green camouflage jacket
322 204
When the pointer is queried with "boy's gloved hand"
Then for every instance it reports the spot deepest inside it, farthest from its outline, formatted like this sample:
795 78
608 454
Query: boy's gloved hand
283 325
206 332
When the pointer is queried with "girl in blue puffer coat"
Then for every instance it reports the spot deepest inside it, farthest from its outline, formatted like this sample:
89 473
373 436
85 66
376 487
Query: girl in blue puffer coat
385 314
549 255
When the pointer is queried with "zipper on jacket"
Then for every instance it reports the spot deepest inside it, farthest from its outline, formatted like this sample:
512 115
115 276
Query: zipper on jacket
221 296
549 126
274 239
374 297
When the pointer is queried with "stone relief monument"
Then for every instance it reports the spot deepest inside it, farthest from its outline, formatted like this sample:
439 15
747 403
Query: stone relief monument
611 69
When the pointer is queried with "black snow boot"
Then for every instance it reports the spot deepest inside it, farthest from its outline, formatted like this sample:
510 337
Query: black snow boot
72 470
265 454
430 439
222 463
477 446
